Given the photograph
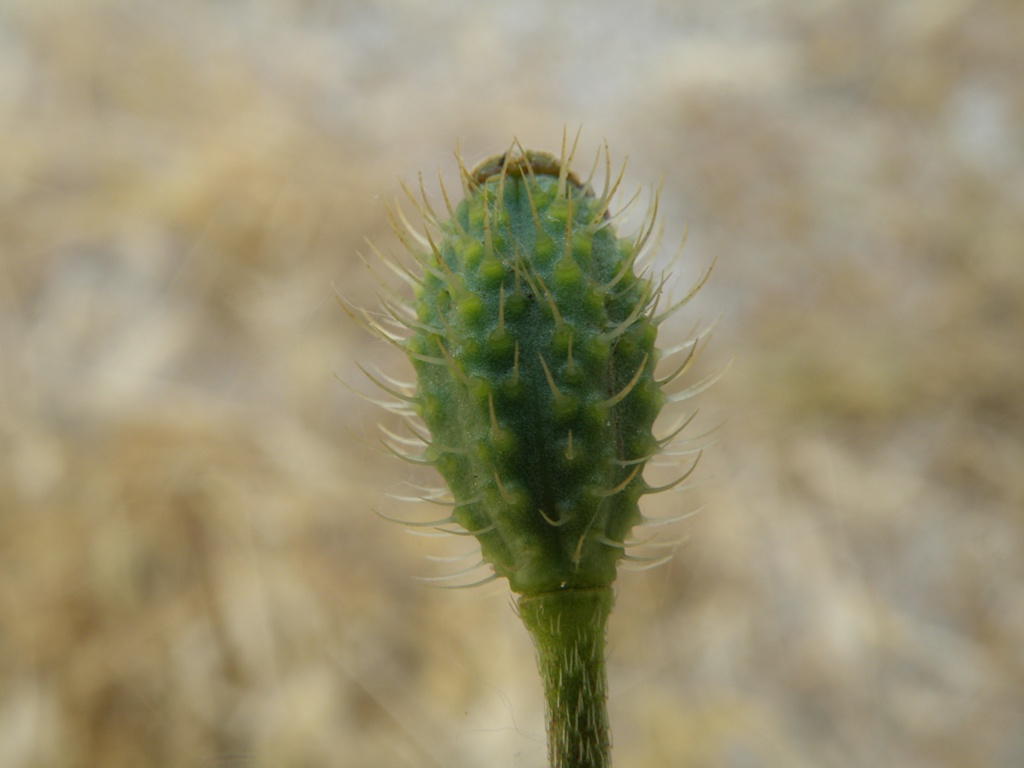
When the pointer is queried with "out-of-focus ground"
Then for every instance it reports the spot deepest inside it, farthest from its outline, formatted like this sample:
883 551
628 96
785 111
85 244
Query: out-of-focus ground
190 571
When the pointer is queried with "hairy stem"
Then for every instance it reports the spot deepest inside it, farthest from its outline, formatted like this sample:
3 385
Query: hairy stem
568 629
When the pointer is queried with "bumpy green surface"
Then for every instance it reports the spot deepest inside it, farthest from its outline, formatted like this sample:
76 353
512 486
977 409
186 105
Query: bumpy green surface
534 354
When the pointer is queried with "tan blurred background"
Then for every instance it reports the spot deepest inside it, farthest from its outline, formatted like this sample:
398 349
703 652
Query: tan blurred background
190 571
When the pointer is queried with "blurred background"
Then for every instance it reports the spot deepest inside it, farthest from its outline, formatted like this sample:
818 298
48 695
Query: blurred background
191 573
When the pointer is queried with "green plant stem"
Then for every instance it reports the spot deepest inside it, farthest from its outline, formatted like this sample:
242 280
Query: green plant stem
568 629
